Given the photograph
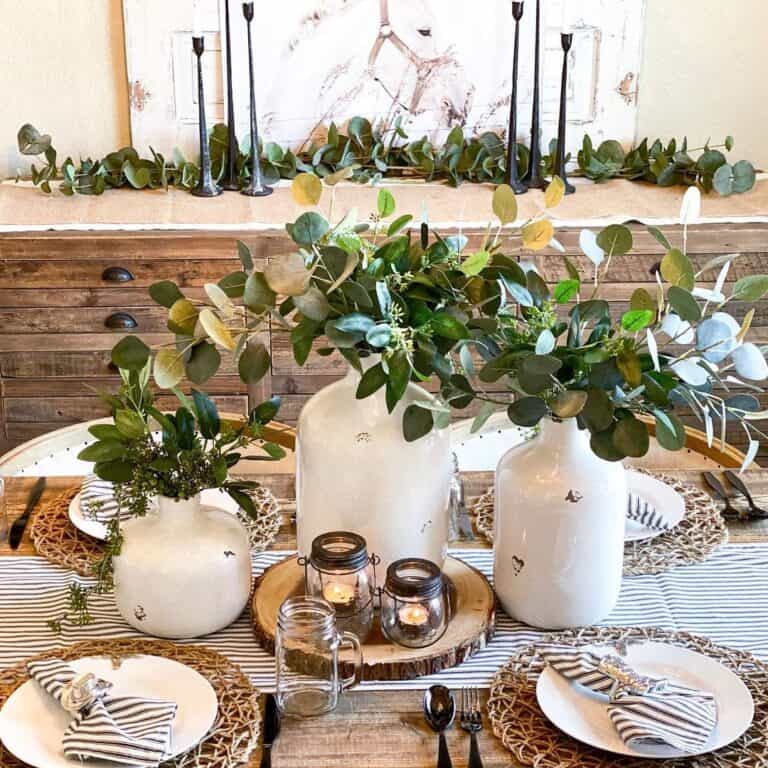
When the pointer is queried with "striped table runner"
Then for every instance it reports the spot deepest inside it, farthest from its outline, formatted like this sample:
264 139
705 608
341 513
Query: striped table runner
725 598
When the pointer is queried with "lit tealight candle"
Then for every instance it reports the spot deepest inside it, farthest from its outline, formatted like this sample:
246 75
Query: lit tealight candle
413 614
339 594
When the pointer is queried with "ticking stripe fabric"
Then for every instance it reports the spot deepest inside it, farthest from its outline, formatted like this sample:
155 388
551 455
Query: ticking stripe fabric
122 729
641 511
97 500
675 715
724 598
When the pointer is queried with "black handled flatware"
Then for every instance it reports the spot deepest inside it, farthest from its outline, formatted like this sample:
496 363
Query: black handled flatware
20 523
271 729
472 722
741 487
729 512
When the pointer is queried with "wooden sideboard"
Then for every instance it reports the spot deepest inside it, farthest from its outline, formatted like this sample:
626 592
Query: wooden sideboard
66 297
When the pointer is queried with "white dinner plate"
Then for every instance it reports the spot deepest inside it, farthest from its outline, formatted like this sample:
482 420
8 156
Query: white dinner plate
665 499
32 723
210 497
583 714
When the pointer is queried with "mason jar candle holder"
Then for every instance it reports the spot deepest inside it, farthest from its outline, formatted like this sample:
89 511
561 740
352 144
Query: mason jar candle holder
340 571
414 603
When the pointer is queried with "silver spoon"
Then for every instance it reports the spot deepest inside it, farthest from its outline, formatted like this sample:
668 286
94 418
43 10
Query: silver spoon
439 711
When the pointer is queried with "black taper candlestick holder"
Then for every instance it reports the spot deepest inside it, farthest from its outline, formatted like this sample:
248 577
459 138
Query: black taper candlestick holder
231 180
206 186
513 177
255 186
533 176
566 40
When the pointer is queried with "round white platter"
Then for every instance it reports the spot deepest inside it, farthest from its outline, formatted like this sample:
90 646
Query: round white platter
583 714
32 723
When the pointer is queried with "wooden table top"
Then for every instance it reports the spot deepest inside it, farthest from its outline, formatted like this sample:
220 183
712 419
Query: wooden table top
376 729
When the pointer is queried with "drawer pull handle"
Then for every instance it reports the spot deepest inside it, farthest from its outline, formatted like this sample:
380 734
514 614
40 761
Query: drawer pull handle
120 320
116 275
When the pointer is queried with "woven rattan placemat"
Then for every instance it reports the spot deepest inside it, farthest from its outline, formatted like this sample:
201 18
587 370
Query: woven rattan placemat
57 539
524 730
693 540
235 733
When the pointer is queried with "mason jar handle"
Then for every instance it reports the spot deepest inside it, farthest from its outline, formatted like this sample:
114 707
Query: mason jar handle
350 638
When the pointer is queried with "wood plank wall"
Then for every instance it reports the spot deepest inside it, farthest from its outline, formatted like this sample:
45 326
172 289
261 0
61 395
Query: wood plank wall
55 300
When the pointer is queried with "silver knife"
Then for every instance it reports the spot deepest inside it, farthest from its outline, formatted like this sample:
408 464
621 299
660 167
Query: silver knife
20 523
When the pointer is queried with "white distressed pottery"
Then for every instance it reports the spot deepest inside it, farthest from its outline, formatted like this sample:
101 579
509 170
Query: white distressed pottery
184 570
583 714
32 724
356 472
559 530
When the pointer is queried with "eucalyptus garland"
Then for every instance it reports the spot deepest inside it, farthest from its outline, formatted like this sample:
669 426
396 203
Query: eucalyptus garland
367 154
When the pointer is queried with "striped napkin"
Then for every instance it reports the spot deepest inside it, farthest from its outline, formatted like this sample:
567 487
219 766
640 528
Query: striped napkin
97 500
122 729
664 713
641 511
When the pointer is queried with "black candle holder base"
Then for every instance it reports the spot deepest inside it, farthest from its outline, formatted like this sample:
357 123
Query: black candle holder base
230 186
257 191
535 182
207 190
518 187
569 188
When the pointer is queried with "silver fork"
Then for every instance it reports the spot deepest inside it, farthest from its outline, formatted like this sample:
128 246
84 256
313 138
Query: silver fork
472 723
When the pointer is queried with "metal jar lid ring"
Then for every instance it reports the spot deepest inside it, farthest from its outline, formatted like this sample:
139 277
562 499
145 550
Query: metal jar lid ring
414 577
339 551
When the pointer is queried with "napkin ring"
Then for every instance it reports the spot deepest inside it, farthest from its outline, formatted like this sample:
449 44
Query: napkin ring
627 679
82 691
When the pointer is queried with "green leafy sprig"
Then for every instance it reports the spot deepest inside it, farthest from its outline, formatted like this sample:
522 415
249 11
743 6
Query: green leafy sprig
378 287
563 355
366 153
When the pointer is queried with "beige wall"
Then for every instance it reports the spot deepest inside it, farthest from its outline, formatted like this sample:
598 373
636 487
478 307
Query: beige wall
704 73
62 68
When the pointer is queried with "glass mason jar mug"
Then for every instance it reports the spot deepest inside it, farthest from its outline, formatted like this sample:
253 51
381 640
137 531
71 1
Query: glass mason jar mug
307 651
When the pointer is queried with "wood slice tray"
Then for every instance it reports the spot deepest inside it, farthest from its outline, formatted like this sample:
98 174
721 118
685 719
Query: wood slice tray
470 629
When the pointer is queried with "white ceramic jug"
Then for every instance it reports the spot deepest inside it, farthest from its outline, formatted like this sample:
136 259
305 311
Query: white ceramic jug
184 570
559 530
356 472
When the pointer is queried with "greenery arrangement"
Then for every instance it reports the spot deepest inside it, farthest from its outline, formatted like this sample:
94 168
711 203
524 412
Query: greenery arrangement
366 153
375 287
194 451
564 356
195 448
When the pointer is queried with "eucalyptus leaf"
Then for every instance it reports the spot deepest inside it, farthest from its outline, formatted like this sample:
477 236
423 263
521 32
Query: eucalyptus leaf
168 368
527 411
684 304
417 422
254 362
505 204
287 274
313 304
615 240
216 330
130 353
165 293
